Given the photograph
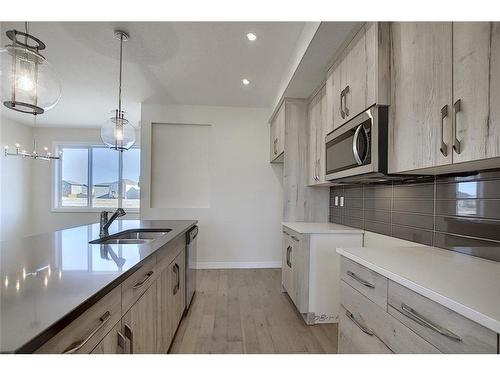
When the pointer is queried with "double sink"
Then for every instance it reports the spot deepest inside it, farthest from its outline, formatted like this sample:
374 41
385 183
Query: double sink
132 236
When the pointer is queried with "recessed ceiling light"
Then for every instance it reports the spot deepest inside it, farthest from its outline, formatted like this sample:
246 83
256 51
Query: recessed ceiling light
245 81
251 37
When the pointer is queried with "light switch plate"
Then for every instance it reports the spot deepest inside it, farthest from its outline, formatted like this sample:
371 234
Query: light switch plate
336 201
341 201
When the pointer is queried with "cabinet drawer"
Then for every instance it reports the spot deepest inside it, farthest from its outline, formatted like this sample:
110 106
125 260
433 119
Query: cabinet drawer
365 281
135 285
398 337
352 339
85 332
442 327
113 343
167 253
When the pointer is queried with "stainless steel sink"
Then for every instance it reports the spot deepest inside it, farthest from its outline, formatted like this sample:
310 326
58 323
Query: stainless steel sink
132 236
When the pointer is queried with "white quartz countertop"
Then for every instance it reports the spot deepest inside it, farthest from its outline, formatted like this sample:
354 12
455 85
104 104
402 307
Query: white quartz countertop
465 284
320 228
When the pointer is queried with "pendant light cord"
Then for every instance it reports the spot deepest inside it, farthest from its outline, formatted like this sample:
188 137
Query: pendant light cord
120 79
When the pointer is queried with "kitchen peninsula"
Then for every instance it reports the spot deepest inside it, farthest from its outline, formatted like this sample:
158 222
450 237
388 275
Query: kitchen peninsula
62 294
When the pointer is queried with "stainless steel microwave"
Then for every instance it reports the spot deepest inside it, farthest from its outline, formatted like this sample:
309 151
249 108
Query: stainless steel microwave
358 150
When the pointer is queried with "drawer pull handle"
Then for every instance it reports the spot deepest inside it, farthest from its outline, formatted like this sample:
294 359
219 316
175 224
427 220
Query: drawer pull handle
288 252
415 316
79 344
295 238
360 280
176 270
141 283
122 342
127 330
369 332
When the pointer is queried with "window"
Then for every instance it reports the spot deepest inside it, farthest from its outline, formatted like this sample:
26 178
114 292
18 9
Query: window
95 177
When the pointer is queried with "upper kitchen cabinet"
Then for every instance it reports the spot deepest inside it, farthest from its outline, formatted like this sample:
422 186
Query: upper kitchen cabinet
445 83
317 130
421 92
360 77
277 132
476 90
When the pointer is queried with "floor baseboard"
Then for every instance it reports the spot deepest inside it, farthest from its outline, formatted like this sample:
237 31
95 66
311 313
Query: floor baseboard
236 265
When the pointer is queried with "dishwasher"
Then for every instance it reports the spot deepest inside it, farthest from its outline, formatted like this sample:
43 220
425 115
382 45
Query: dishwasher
190 265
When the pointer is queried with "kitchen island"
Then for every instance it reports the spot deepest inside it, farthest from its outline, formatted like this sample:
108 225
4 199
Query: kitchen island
50 280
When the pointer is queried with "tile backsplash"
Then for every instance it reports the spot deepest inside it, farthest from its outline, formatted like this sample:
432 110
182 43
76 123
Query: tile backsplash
459 213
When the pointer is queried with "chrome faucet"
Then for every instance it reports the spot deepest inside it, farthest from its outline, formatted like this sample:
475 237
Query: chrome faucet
105 222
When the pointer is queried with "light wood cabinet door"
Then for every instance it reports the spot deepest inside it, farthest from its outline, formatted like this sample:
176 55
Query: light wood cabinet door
361 77
421 93
476 90
171 301
317 123
164 329
113 343
338 85
329 103
320 136
288 278
177 301
139 323
355 69
284 260
277 133
314 125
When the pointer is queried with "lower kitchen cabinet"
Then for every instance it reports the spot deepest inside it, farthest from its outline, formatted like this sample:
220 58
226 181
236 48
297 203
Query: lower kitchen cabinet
171 301
140 316
139 323
406 323
310 272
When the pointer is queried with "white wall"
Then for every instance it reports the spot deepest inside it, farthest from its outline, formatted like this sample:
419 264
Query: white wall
16 182
241 227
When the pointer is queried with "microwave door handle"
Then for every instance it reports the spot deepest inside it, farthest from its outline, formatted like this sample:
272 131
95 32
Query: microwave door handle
355 150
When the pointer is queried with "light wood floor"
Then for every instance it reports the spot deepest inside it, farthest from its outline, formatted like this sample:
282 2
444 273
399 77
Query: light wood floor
244 311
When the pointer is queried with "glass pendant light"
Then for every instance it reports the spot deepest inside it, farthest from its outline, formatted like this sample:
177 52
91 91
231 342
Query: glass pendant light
118 133
29 83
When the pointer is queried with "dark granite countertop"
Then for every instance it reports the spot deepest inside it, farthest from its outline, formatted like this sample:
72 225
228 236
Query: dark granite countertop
50 279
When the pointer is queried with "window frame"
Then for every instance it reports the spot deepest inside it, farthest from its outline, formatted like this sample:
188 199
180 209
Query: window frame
57 179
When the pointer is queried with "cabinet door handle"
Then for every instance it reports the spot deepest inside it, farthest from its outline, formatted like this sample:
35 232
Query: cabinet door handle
319 167
415 316
456 108
368 331
444 146
127 330
175 268
360 280
79 344
122 342
288 252
141 283
346 91
275 146
342 113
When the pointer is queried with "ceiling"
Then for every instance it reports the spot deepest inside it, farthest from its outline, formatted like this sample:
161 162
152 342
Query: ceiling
185 63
